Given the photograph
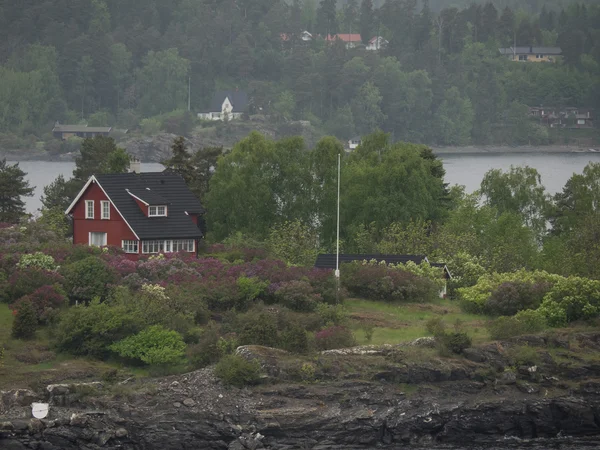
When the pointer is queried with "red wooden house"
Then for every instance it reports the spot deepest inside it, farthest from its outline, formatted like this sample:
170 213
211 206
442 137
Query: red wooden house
143 213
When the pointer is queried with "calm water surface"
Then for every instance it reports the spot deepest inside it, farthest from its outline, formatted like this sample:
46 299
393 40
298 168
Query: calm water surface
465 169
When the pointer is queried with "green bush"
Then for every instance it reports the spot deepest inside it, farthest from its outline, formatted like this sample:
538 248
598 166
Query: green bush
90 330
377 281
155 346
88 278
237 371
295 340
523 355
25 322
207 350
250 289
335 337
297 295
473 298
260 331
570 299
514 296
524 322
455 342
332 314
435 326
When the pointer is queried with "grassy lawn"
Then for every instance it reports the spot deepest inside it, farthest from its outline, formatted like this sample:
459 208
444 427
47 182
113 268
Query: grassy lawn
33 363
404 322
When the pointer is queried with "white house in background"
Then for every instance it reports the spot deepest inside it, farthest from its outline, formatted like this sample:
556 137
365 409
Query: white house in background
226 105
377 43
354 142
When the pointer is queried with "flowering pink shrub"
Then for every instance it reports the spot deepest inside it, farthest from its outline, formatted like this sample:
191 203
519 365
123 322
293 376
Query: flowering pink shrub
334 337
121 264
44 300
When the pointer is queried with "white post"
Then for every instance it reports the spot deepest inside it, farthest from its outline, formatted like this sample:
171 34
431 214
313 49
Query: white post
189 93
337 253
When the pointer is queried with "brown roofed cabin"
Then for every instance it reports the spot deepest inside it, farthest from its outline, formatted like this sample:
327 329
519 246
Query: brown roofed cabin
83 131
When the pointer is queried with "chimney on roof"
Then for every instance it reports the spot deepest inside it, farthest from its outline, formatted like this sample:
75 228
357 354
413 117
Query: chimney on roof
135 166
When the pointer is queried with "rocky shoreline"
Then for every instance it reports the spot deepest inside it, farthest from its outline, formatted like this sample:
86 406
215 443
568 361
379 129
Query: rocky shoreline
475 401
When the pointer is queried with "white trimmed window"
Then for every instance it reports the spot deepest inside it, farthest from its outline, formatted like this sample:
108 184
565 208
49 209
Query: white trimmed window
183 245
157 211
89 209
168 246
105 208
152 246
97 239
130 246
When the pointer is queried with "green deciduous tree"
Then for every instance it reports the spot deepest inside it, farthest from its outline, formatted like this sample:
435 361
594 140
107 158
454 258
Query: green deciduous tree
163 82
294 243
366 109
13 186
453 120
518 191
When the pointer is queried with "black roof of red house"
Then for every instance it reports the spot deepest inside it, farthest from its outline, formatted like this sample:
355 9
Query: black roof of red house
153 188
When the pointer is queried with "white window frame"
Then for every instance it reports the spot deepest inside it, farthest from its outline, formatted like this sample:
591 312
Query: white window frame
168 246
89 203
154 211
104 203
130 246
104 242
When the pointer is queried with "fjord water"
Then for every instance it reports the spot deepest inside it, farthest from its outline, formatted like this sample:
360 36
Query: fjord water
464 169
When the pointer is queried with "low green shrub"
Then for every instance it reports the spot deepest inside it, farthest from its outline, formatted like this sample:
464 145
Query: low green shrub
454 342
524 322
335 337
207 350
260 331
237 371
25 323
295 340
513 296
154 346
90 330
380 282
435 326
250 289
332 314
523 355
297 295
88 278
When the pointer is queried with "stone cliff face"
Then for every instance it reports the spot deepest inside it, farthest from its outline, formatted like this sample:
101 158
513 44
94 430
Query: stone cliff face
453 405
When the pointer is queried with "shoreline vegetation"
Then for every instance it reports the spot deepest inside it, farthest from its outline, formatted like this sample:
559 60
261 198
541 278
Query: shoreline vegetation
34 155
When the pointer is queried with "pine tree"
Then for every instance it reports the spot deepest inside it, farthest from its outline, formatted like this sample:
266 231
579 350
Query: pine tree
180 162
13 186
366 20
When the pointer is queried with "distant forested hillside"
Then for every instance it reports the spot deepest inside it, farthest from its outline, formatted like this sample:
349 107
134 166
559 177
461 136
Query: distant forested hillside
531 6
440 80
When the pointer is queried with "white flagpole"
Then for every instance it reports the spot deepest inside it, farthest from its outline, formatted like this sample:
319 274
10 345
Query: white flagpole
337 255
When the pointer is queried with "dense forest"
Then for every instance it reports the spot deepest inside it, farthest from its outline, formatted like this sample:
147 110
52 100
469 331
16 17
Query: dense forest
440 80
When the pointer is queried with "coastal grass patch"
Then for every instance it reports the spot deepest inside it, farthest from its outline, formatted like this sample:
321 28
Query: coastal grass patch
32 363
394 323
